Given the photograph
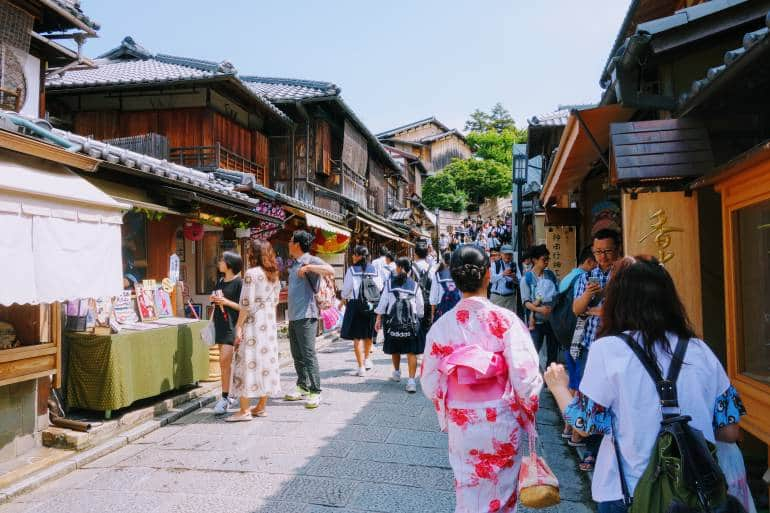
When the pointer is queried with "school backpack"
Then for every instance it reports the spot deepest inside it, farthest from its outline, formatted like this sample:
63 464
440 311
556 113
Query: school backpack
369 293
401 321
423 279
563 320
449 298
682 475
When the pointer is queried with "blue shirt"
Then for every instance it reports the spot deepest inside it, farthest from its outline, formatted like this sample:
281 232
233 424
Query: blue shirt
302 303
592 323
567 280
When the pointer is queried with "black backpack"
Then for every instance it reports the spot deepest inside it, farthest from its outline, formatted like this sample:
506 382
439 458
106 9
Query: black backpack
401 321
563 319
423 279
682 475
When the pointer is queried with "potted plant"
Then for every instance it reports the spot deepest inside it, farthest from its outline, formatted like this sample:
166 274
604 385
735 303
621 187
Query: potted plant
242 230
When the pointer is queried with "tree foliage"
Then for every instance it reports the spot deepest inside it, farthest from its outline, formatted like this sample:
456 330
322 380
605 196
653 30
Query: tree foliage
440 191
497 119
491 145
481 179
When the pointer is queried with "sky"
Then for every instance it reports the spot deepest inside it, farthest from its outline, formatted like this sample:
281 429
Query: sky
397 61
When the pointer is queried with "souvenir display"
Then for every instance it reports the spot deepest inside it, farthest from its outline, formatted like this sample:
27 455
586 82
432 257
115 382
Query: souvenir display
77 315
124 308
145 300
163 305
102 308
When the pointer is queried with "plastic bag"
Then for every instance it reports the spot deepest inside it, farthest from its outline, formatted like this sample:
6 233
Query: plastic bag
732 465
209 334
538 486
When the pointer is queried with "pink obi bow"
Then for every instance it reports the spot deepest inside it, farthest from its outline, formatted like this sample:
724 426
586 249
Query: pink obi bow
475 366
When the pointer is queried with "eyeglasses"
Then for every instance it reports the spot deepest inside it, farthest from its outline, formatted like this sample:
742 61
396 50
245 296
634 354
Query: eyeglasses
603 252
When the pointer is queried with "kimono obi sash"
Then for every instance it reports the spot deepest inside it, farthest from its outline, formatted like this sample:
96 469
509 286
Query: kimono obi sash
474 375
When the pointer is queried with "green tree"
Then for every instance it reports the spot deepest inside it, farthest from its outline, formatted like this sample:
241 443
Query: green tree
491 145
497 119
440 191
479 122
500 119
480 179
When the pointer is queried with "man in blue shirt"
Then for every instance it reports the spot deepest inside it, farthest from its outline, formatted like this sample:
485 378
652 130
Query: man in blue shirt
586 263
503 291
302 314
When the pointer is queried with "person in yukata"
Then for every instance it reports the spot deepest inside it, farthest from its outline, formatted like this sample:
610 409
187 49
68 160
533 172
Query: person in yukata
480 370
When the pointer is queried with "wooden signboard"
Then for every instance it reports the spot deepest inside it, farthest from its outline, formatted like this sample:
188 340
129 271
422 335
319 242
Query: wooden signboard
560 241
665 225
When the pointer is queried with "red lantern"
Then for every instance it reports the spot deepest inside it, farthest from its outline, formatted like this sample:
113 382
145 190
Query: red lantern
193 231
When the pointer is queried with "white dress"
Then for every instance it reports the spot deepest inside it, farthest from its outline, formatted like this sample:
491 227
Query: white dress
256 370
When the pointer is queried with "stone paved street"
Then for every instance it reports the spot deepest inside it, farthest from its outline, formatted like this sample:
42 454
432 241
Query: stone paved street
369 448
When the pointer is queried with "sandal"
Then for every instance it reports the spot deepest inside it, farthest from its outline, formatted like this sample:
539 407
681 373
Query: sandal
587 465
567 433
258 413
579 443
239 417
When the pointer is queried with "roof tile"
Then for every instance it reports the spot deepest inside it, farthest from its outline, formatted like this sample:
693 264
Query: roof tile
281 89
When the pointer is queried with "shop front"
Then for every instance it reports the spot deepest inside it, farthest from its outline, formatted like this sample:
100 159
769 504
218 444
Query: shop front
61 242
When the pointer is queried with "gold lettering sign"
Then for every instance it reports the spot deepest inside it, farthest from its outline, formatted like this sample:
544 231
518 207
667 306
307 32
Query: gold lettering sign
662 234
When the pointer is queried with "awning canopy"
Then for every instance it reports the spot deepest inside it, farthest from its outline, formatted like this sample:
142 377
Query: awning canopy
319 222
383 231
131 196
584 140
61 235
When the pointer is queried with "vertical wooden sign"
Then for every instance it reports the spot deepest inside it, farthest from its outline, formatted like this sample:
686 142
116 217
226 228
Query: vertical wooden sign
665 225
560 241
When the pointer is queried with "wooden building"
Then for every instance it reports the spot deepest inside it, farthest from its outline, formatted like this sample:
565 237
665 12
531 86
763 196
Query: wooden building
679 142
205 116
435 144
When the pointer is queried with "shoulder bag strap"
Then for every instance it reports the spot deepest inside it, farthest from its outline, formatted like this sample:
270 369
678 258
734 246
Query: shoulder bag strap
627 499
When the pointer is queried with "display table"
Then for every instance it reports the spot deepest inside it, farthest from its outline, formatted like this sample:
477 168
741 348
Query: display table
108 372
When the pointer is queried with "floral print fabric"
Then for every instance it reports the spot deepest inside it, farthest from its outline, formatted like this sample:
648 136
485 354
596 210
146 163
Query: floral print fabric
256 372
484 435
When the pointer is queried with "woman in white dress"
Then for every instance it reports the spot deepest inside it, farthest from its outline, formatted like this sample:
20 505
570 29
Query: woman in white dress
256 371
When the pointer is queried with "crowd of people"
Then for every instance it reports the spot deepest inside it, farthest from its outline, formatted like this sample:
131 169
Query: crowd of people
479 319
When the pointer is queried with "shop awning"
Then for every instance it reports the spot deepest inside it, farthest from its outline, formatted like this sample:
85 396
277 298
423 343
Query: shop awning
61 235
383 231
319 222
584 140
136 198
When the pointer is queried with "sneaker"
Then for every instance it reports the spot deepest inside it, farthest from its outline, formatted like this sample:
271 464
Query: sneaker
221 407
361 372
313 401
396 376
368 364
298 394
411 386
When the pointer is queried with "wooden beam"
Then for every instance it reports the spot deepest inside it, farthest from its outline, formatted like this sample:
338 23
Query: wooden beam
35 148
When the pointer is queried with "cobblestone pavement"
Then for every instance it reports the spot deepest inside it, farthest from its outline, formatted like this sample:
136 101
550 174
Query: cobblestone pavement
370 447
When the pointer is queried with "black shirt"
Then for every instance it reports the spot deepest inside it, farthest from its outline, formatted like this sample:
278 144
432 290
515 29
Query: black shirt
225 325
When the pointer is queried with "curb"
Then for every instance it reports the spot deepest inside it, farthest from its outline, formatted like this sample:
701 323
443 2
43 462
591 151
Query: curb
81 459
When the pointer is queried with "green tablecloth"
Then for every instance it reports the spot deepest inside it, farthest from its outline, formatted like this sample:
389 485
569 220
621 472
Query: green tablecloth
111 372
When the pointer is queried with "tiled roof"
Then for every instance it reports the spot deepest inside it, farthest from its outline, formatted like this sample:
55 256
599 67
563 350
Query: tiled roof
73 8
400 214
436 137
754 44
432 119
558 118
206 183
289 89
132 64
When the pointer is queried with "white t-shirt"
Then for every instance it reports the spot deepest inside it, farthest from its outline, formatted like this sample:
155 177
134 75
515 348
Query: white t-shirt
615 378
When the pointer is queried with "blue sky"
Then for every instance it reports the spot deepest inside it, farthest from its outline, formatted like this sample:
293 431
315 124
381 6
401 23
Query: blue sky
395 61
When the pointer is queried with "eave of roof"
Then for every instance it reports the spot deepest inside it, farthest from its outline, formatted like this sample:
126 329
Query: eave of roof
756 44
72 13
414 124
281 90
432 138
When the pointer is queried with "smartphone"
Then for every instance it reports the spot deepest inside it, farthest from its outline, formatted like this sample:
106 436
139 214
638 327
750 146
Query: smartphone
594 280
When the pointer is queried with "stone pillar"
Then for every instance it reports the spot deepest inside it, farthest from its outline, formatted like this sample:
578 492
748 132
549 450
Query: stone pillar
215 374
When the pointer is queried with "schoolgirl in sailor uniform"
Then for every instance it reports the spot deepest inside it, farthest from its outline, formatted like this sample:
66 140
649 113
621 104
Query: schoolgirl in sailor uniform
358 322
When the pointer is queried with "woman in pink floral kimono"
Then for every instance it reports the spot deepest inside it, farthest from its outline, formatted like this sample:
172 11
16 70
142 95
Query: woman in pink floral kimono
480 369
